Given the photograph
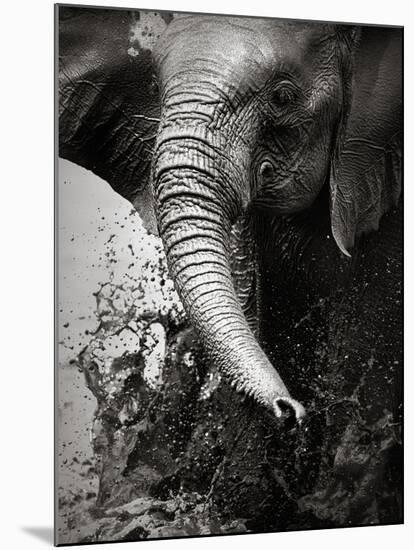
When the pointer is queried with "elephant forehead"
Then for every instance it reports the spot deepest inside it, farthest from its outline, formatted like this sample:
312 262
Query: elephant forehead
236 51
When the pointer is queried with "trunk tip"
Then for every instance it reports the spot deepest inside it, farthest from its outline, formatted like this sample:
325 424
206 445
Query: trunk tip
286 406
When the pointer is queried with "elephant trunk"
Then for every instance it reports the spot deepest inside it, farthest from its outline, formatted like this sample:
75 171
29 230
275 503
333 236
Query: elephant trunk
197 193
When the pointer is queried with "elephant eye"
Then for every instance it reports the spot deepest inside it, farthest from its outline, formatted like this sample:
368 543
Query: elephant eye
284 94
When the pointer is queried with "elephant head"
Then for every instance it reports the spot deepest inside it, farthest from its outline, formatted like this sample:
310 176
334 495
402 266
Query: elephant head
226 115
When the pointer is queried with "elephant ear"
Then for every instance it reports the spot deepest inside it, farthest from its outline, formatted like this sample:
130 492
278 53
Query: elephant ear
108 98
365 179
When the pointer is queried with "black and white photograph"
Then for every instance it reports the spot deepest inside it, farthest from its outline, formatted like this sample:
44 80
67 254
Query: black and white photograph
229 274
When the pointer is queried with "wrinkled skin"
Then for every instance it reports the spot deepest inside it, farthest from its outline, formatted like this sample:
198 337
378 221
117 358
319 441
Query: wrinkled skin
273 151
250 117
253 137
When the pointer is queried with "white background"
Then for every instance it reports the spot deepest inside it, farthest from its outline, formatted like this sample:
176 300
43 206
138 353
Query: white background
26 289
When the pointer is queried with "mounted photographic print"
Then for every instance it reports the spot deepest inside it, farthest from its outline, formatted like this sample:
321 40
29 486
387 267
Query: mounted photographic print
229 268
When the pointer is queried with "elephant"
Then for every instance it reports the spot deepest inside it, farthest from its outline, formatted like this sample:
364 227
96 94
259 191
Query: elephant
267 156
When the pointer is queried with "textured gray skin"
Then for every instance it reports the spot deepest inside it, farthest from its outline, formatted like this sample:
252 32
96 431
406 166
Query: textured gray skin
251 116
